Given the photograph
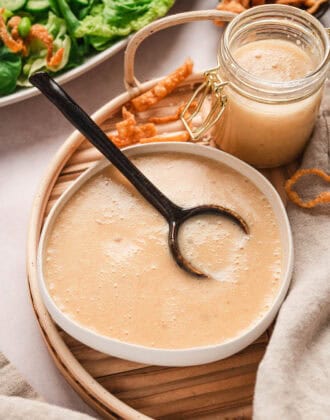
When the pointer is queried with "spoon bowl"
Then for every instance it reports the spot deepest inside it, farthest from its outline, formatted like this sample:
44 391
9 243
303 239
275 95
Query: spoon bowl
182 216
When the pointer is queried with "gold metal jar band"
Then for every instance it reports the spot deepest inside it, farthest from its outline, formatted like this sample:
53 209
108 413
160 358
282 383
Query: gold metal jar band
215 85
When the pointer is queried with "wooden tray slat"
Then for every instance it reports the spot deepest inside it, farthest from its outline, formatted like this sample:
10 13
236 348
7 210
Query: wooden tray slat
197 404
167 376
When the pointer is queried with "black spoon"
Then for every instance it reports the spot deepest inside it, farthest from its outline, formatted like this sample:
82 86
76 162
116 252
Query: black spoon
174 214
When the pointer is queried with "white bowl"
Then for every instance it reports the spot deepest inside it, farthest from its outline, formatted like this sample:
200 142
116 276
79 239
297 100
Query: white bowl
172 357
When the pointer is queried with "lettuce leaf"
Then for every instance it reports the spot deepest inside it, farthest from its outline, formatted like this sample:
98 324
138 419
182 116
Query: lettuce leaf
57 27
121 12
36 60
118 18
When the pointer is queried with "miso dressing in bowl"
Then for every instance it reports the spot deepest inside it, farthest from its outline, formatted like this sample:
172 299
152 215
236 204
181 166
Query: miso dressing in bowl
107 265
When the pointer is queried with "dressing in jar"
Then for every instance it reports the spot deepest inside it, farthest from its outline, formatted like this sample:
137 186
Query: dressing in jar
267 88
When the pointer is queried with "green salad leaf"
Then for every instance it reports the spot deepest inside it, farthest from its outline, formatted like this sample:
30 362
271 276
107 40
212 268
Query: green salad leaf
10 69
6 14
57 27
80 27
36 60
120 13
70 18
118 18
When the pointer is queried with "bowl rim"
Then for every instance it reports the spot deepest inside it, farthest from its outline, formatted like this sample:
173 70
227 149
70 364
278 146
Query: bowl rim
163 356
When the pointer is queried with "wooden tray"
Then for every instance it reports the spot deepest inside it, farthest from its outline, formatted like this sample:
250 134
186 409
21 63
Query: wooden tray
117 388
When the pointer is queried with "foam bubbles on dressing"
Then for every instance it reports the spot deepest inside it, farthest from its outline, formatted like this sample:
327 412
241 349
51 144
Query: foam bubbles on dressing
215 245
275 61
121 251
109 268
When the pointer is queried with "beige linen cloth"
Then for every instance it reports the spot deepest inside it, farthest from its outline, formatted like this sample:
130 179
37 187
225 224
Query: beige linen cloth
18 401
293 380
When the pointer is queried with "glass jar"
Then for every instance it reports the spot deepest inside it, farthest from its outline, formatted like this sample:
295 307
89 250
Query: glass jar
266 123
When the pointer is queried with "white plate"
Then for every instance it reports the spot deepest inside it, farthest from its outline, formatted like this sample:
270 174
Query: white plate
89 63
173 357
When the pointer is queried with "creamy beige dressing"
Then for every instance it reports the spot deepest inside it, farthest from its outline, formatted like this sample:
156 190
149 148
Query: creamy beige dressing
274 60
265 134
108 267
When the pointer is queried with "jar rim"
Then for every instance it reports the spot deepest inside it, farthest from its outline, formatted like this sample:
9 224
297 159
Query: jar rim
265 86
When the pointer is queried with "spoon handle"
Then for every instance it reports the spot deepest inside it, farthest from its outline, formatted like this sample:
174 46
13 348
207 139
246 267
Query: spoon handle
78 117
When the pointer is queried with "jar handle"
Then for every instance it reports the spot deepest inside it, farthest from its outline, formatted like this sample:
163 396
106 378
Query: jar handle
131 83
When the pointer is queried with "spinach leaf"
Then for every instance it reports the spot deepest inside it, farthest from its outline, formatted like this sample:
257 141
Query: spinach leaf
10 68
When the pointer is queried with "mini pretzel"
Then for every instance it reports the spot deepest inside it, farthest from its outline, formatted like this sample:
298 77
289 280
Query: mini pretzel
163 88
234 6
129 132
313 6
238 6
322 198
